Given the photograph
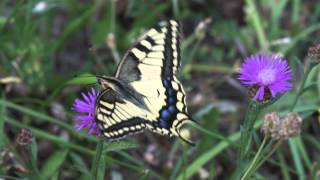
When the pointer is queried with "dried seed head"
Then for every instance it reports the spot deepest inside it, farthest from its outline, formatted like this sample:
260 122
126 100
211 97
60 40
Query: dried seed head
24 137
271 124
281 128
291 125
314 52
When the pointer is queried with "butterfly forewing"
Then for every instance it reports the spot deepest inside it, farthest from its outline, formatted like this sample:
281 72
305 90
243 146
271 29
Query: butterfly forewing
156 54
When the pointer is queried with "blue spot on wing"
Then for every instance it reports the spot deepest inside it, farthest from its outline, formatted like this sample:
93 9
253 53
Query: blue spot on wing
163 123
172 108
165 114
171 100
168 112
165 83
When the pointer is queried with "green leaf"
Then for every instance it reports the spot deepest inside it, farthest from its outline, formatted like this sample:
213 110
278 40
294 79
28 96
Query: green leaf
79 164
53 163
300 66
307 88
85 78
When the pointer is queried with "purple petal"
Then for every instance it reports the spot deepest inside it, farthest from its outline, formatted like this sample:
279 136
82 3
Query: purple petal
271 71
259 94
85 107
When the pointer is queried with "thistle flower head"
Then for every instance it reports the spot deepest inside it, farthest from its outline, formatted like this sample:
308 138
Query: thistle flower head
281 128
265 75
85 106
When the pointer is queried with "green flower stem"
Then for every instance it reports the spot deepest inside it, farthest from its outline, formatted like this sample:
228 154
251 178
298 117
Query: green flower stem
96 160
255 160
275 147
247 132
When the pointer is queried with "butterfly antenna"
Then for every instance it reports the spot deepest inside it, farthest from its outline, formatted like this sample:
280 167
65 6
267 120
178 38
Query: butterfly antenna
86 76
91 84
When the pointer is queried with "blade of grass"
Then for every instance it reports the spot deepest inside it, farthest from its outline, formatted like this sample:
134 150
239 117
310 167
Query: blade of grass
72 27
284 166
96 162
80 165
44 135
175 7
213 134
296 158
102 168
33 152
211 153
40 116
3 138
295 11
53 163
303 152
301 36
312 140
255 20
61 142
277 9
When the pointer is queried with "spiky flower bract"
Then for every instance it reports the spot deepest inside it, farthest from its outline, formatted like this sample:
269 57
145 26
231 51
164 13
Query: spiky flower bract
85 106
266 75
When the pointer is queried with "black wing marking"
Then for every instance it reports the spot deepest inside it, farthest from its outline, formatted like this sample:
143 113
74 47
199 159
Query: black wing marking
156 54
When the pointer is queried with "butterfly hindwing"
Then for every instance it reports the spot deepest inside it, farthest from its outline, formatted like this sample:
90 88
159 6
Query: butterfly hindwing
171 115
117 117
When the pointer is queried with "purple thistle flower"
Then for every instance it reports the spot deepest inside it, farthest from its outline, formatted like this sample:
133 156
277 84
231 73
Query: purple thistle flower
266 75
86 106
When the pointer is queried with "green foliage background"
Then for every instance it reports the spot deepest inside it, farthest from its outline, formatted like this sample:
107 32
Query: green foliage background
43 53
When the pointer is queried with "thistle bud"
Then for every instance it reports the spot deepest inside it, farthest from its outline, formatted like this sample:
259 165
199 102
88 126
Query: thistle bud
24 137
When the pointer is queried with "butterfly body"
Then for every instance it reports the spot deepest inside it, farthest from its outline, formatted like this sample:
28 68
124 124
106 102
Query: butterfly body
145 93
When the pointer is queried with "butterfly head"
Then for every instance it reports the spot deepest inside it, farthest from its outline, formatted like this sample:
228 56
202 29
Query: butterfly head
106 82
